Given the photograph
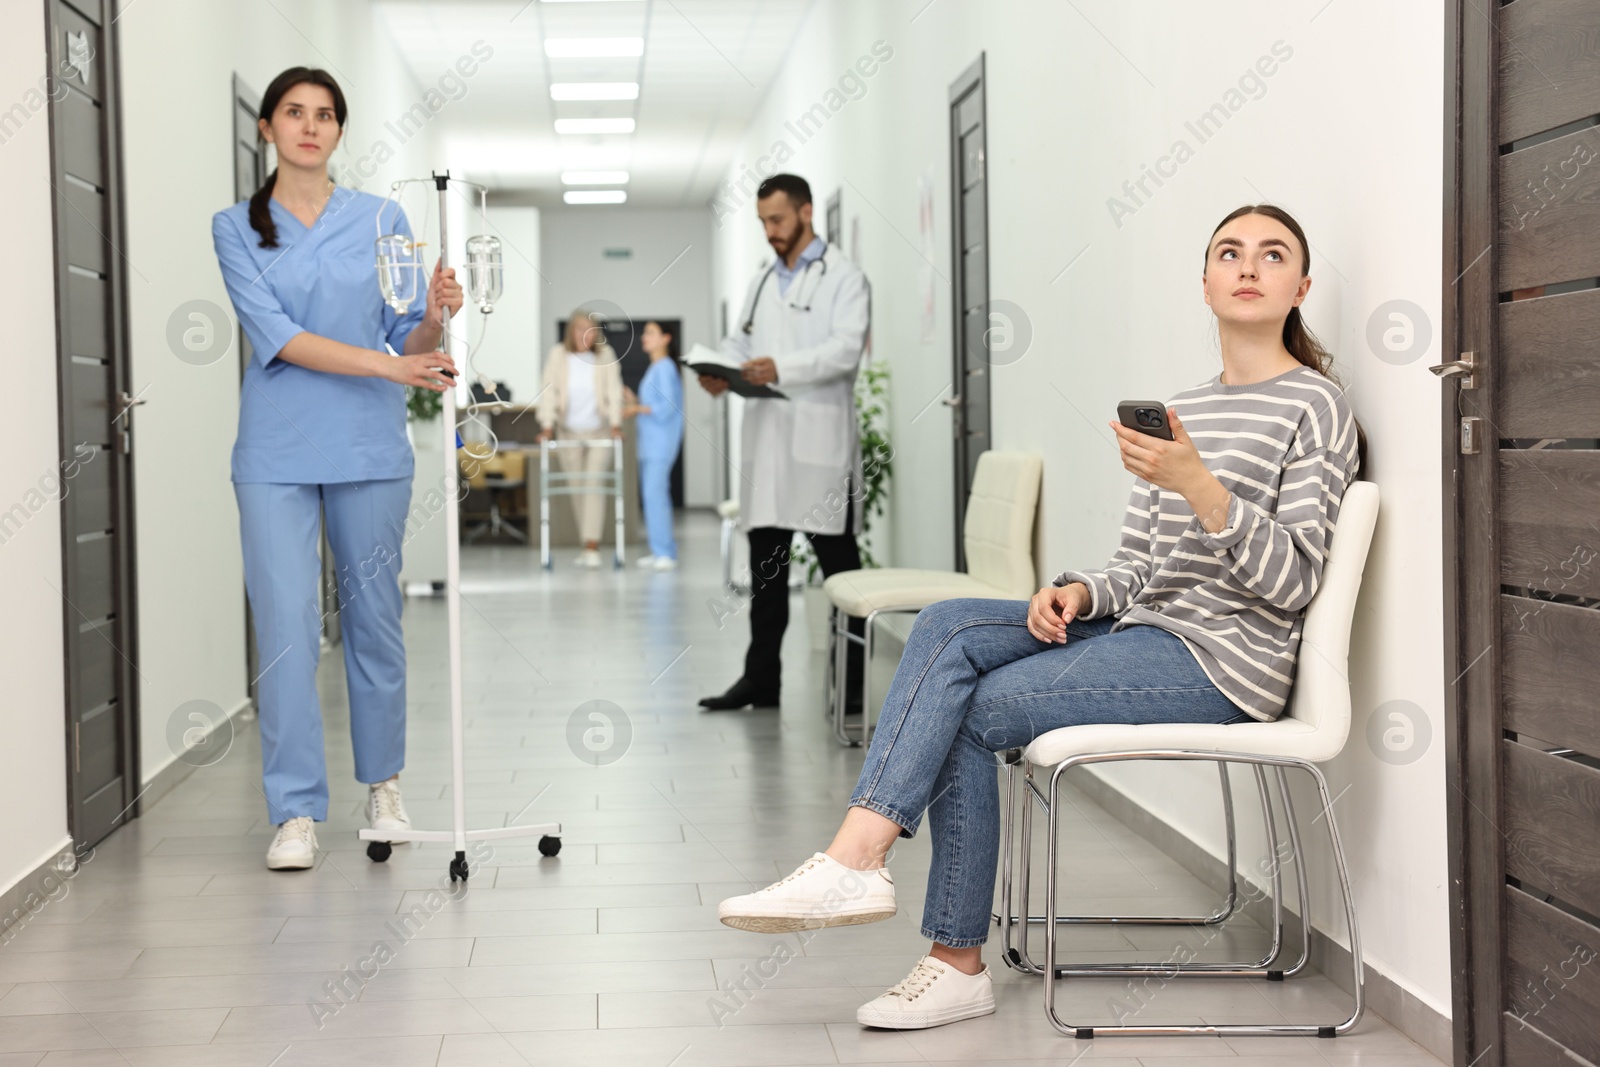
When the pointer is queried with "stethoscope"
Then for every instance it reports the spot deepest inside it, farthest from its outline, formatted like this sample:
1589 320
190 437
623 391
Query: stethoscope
800 283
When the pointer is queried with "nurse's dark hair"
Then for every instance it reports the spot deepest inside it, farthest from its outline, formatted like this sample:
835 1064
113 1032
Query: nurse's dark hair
260 206
796 188
1302 344
672 340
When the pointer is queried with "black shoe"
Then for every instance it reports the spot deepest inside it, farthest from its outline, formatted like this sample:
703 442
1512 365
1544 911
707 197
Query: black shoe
741 694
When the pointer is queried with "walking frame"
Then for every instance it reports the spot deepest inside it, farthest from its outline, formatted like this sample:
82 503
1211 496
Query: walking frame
580 483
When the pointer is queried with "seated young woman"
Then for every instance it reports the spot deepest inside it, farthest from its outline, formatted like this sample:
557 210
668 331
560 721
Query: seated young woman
1196 619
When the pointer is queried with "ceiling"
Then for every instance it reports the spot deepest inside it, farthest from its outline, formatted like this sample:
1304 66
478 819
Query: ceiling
706 66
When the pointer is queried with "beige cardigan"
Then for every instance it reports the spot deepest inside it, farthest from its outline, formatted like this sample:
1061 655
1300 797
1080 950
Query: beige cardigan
552 406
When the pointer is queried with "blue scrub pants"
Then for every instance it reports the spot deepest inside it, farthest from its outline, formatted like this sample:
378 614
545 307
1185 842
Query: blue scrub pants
655 486
282 574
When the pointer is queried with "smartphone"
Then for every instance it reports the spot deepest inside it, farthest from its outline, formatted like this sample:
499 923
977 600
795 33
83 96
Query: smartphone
1146 416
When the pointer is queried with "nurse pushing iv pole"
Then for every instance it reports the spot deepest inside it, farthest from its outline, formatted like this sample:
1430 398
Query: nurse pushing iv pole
399 267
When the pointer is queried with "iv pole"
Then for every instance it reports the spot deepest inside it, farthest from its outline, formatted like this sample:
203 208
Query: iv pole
379 841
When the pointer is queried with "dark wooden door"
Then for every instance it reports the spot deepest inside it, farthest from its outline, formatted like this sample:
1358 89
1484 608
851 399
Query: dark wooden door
969 204
97 422
1523 529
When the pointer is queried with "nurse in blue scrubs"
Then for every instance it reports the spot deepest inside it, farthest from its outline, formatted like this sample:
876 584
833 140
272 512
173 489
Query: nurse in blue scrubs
660 436
322 434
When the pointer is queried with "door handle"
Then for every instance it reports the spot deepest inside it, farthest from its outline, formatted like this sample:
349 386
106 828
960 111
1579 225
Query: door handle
1465 368
952 401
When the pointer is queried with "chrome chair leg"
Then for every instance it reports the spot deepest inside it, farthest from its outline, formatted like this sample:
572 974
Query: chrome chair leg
1163 972
1296 854
1010 918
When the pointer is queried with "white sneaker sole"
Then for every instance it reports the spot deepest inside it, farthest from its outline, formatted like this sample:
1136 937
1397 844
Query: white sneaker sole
291 864
894 1020
788 924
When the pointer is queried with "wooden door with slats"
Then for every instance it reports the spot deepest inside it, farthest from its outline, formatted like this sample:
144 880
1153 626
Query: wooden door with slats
98 421
1522 518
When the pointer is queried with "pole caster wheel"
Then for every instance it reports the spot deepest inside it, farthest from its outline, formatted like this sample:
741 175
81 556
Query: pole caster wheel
458 869
549 846
378 851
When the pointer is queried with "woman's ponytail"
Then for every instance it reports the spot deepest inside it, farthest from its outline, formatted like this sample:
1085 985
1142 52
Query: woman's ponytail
261 212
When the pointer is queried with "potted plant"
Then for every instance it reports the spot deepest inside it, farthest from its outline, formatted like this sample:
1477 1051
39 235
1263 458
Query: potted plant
877 459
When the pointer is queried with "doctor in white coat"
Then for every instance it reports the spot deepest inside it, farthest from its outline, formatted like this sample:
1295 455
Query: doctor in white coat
802 331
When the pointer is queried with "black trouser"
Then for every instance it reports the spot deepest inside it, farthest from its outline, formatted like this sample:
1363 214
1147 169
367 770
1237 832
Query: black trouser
769 600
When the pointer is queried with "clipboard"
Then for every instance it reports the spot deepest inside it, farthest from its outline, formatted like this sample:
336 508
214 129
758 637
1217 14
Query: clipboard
703 360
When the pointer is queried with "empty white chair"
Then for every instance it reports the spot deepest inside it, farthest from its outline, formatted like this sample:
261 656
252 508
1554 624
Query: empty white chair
997 534
1312 730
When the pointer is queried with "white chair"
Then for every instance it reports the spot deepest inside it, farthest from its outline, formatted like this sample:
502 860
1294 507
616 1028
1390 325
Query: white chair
997 533
1312 730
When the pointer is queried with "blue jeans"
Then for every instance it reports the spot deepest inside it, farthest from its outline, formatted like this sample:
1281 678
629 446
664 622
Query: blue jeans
973 681
655 487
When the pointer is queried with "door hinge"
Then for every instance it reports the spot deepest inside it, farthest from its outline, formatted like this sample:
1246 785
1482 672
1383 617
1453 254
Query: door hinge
1471 435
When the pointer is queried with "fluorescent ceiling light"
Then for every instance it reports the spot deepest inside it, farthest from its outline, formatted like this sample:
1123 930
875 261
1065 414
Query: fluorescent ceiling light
602 157
594 125
595 196
594 91
594 177
593 47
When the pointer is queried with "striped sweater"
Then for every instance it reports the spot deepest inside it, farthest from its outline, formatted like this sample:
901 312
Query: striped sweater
1285 448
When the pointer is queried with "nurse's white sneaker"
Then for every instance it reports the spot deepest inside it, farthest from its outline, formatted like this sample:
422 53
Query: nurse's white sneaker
385 810
589 558
295 847
822 892
665 563
934 993
646 562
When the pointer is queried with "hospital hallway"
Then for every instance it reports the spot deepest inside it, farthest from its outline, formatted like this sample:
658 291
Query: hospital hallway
354 342
174 947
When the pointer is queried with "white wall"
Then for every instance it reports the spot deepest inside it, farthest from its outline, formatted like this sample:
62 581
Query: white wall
669 275
33 759
514 334
1081 97
191 585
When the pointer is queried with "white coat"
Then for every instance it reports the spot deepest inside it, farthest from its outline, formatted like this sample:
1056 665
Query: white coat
801 462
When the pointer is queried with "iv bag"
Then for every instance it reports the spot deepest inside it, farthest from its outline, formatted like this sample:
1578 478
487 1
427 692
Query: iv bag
485 273
399 270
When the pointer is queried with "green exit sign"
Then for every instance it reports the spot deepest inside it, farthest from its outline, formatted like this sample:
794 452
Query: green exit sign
619 253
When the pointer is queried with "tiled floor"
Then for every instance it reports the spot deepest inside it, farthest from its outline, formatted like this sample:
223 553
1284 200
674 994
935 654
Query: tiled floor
174 946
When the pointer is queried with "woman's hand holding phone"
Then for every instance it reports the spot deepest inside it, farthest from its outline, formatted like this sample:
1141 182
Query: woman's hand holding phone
1176 466
1053 607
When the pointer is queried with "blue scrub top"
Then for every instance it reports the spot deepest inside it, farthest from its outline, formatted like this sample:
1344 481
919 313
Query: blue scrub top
661 431
301 426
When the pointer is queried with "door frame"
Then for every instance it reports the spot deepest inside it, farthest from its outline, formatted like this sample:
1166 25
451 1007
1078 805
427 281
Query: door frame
1471 564
970 80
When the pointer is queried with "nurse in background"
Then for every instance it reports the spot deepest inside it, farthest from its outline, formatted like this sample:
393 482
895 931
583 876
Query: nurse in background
660 436
322 436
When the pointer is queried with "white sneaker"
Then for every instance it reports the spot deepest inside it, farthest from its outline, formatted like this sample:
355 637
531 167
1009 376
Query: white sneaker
589 558
646 562
665 563
822 892
933 994
295 847
385 810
